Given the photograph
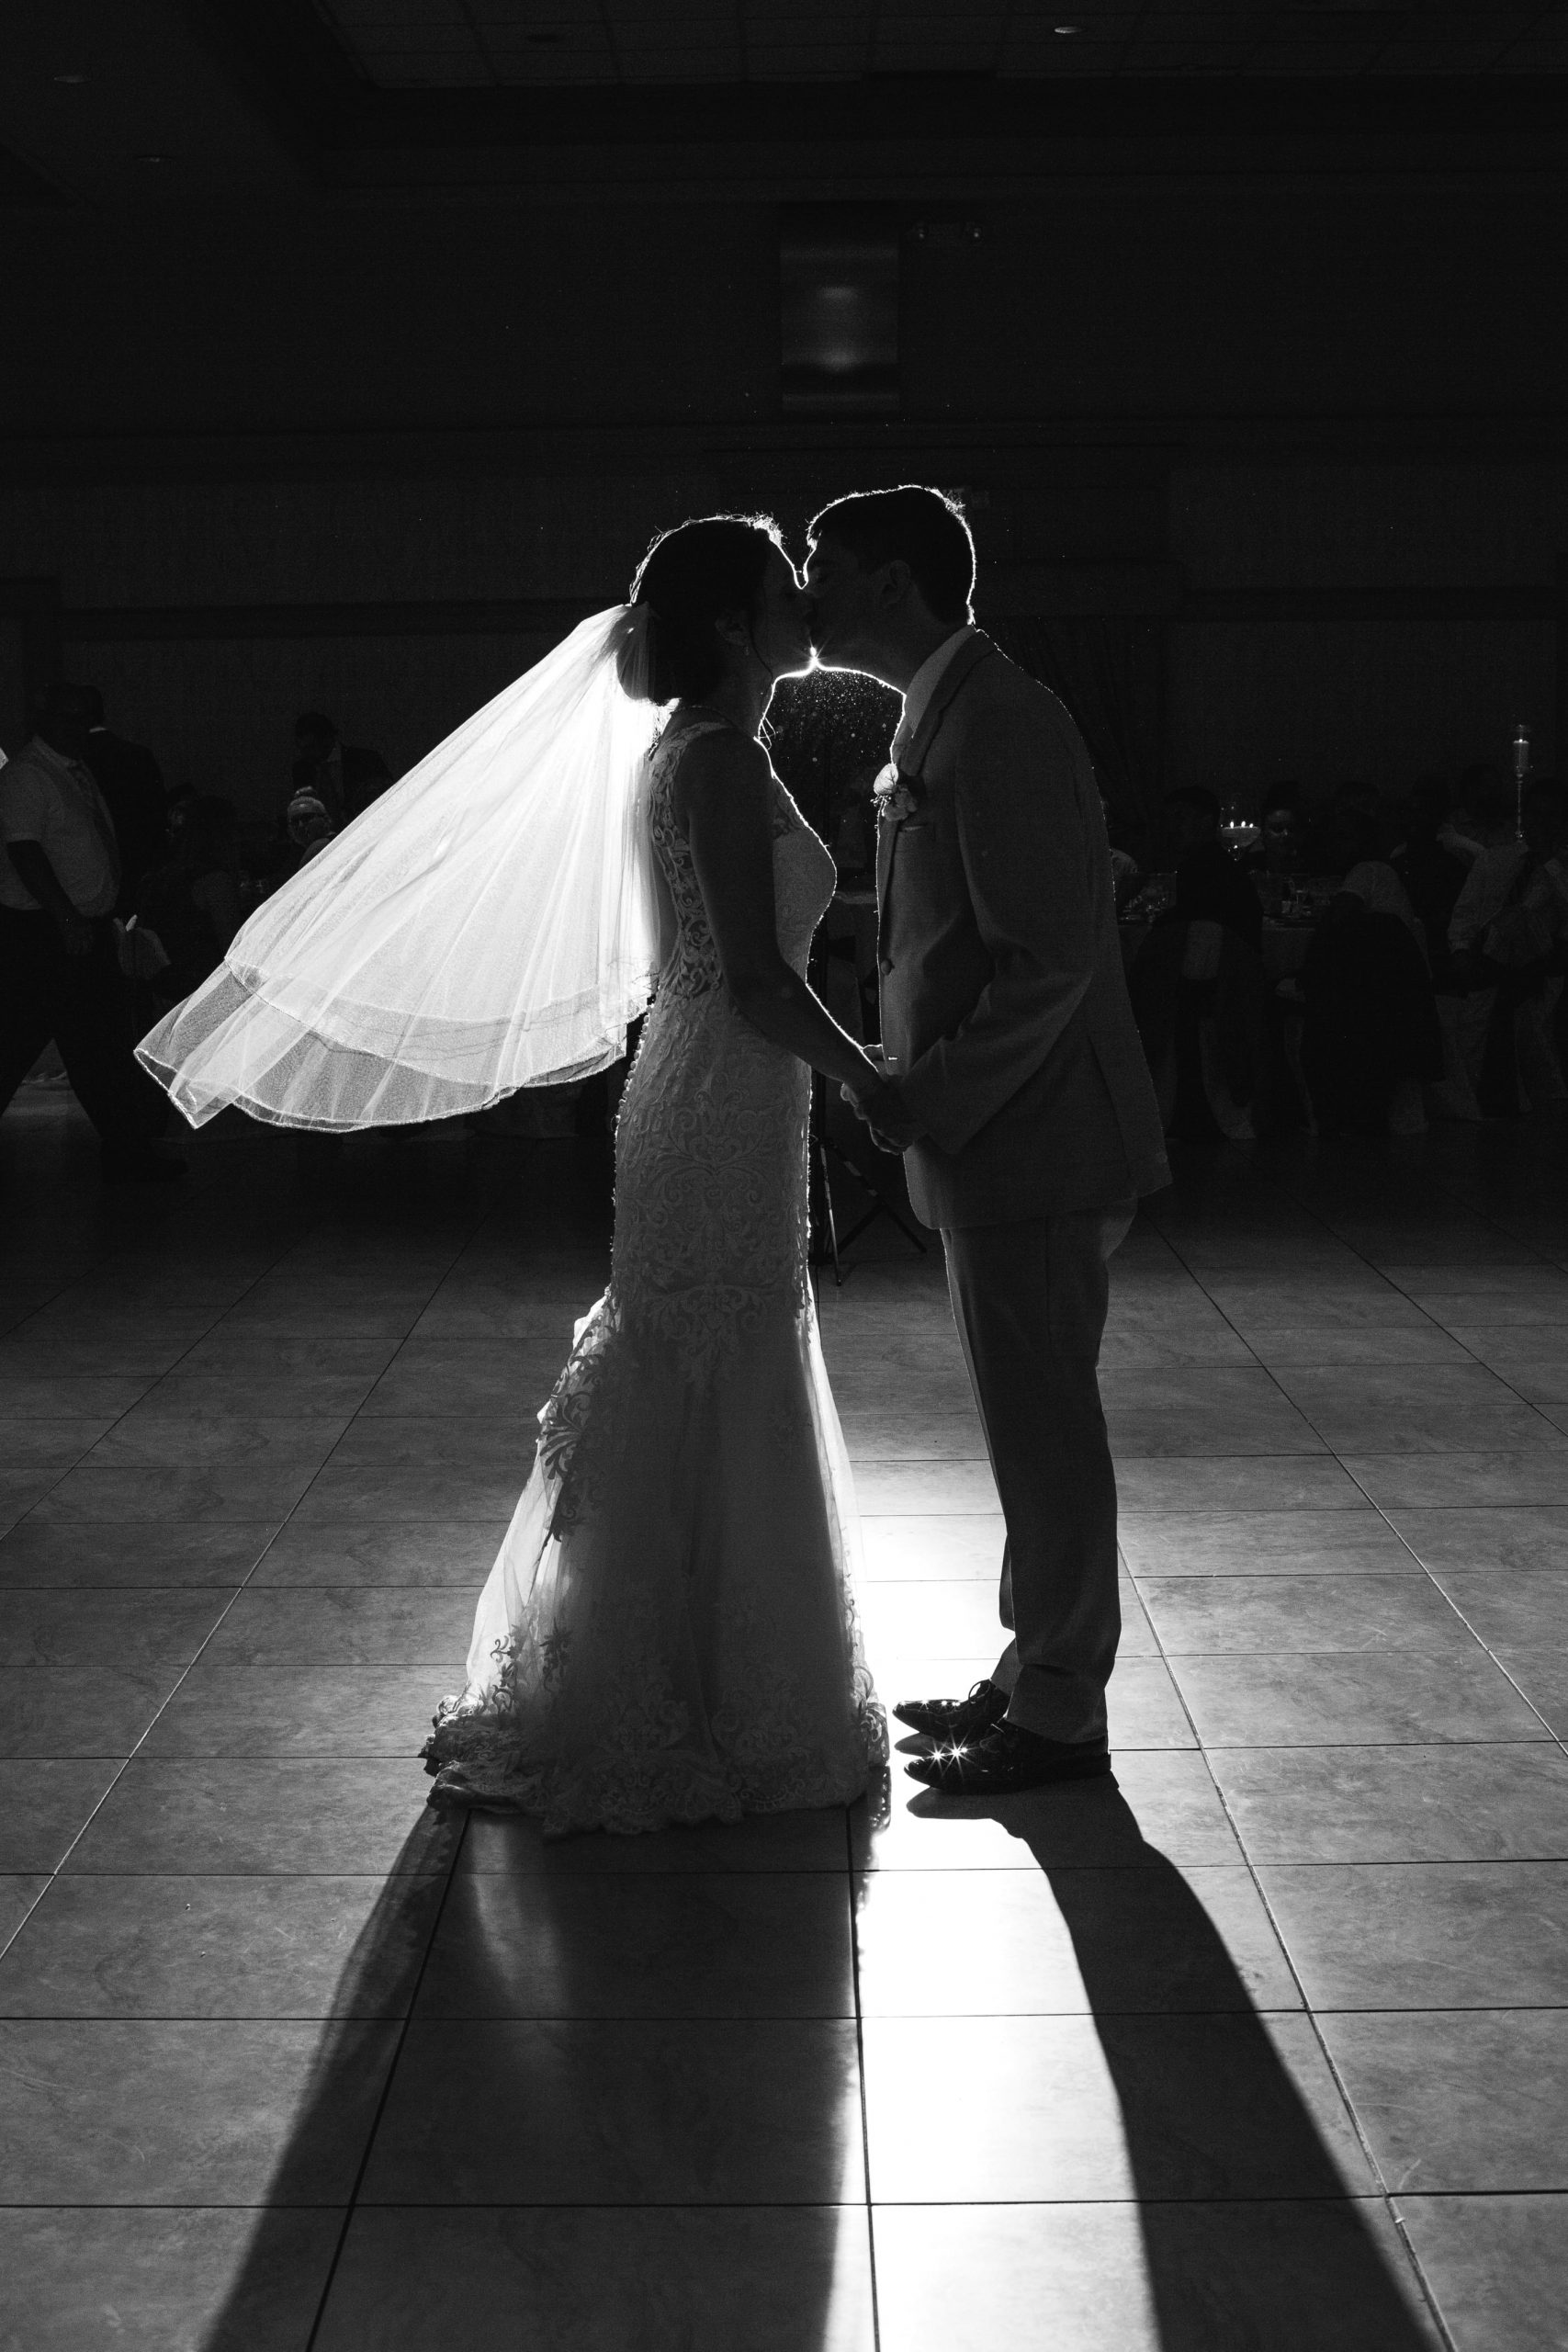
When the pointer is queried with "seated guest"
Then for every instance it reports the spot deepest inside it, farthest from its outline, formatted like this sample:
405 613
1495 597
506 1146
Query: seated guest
309 826
1283 825
1370 1029
1210 886
1374 886
132 785
1197 998
1516 885
1350 828
346 777
1430 869
60 974
191 904
1509 934
1126 873
1482 814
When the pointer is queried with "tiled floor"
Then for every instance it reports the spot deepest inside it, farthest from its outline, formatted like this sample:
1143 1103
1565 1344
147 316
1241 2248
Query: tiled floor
1262 2045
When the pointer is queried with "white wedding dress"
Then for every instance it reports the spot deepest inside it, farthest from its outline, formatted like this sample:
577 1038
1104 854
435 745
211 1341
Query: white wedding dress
668 1632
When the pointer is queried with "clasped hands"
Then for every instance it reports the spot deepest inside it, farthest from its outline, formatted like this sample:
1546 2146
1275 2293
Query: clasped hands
878 1102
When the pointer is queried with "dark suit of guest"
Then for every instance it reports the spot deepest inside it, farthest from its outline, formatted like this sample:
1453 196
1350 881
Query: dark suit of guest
1006 1019
1211 887
132 785
345 782
51 802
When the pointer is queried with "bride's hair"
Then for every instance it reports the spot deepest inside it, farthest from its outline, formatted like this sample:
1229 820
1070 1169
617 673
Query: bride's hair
690 578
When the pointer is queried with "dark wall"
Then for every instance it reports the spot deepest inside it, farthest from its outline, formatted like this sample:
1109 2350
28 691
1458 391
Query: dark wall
1331 395
1159 298
422 315
1239 296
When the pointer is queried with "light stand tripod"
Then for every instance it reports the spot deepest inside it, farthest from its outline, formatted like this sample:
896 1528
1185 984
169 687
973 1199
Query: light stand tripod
825 1153
1521 770
827 1245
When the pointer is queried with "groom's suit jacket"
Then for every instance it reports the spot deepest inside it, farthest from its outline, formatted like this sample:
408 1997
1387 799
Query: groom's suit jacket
1004 1007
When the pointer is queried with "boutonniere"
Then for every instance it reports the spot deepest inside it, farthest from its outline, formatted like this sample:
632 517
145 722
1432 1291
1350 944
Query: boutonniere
896 796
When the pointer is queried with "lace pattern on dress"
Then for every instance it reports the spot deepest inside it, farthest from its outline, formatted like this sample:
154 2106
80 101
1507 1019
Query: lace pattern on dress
694 968
711 1145
657 1662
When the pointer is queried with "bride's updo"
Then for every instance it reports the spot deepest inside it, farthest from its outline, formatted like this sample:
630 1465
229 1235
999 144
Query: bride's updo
688 579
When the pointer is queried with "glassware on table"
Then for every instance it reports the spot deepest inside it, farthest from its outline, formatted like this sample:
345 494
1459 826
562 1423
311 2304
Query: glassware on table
1237 830
1156 894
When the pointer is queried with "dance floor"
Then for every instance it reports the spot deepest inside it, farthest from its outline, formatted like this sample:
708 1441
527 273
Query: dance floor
1263 2044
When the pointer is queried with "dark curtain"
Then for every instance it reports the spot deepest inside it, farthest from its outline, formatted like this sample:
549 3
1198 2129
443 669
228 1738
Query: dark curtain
1108 669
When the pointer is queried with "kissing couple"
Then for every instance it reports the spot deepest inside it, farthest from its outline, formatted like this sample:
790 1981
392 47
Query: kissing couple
669 1634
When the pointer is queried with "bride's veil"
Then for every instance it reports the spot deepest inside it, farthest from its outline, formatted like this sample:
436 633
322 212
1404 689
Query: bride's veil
492 921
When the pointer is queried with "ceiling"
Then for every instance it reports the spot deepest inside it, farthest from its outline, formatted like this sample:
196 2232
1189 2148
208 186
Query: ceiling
184 102
421 45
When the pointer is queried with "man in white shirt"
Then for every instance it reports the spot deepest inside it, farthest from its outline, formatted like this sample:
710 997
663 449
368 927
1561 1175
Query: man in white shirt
59 969
1524 875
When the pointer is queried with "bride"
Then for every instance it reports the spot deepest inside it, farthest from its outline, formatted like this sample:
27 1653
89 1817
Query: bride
668 1632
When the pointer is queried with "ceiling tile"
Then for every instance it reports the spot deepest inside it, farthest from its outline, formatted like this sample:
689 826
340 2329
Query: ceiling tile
446 44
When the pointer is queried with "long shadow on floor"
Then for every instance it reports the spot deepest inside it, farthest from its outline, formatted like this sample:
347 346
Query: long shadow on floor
556 2149
1262 2222
273 2300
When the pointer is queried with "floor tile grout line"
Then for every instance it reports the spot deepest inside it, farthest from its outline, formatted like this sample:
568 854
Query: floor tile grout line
180 1359
852 1896
481 1218
1199 1741
308 1229
125 1762
909 1870
1445 1186
1433 1581
1558 1738
744 2205
652 2018
1338 1458
467 1243
1426 2290
172 1211
1396 2219
352 2205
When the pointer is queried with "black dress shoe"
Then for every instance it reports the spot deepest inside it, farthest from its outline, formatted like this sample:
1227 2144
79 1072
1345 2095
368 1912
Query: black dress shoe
947 1719
1007 1759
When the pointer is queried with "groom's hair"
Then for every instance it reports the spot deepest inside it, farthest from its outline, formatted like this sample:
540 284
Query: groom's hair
924 528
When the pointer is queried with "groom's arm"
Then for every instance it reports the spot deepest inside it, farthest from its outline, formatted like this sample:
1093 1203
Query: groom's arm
1025 854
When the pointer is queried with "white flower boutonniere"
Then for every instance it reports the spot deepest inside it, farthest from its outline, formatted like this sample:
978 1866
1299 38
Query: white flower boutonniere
896 797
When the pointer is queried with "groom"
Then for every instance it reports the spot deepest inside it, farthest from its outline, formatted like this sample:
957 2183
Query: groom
1019 1095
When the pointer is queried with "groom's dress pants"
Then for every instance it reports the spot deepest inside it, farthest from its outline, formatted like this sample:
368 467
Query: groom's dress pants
1029 1301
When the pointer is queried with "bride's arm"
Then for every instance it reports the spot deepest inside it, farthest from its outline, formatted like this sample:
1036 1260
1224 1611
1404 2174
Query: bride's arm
726 796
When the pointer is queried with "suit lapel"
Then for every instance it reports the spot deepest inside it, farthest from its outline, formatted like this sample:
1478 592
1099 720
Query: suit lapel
968 658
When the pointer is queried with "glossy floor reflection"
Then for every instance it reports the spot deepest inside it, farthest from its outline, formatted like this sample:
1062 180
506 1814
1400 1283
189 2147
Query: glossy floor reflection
1260 2044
